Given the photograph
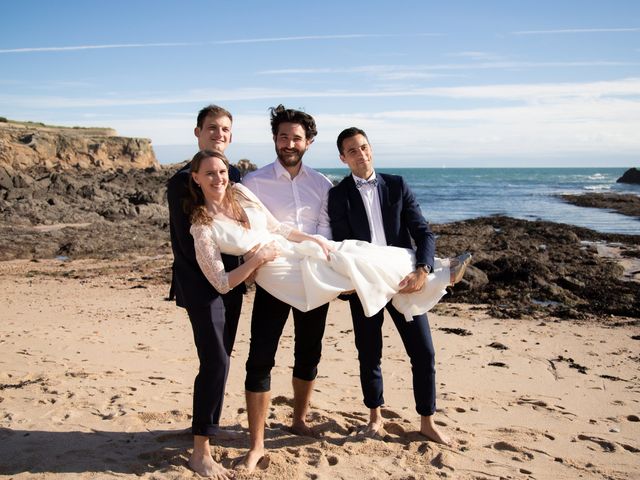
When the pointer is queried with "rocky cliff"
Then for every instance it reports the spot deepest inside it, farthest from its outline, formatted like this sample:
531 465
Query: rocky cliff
26 145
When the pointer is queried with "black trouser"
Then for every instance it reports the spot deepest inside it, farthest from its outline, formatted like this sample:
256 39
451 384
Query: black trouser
416 337
267 321
214 332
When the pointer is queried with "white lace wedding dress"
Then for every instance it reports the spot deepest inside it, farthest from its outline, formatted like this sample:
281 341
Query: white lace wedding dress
303 277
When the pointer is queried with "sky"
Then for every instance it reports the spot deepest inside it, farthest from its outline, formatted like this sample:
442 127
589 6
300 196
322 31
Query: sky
469 83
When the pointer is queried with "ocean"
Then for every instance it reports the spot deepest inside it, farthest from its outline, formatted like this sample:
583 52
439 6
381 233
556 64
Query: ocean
449 195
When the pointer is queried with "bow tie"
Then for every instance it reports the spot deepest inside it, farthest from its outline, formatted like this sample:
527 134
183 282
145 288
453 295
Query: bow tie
362 183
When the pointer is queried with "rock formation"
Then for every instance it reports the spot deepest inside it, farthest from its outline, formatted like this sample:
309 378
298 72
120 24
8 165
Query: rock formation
630 176
26 145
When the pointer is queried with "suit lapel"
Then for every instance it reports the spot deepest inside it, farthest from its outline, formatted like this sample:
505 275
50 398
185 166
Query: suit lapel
387 214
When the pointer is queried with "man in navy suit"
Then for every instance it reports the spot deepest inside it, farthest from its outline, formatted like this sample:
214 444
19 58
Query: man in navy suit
213 317
381 209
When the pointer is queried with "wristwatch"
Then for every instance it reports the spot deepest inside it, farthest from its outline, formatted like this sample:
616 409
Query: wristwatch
424 266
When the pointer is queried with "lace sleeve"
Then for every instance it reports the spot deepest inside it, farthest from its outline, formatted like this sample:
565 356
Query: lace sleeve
208 257
273 225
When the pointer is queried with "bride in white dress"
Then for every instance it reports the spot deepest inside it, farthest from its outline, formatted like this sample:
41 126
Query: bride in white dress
302 270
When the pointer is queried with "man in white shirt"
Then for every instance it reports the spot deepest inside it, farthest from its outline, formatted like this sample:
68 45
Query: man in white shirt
295 195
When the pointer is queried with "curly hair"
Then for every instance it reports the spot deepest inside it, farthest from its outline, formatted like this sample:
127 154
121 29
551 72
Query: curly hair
280 114
195 205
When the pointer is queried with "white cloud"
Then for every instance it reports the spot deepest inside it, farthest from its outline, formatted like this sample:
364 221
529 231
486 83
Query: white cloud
95 47
216 42
531 120
575 30
494 65
514 92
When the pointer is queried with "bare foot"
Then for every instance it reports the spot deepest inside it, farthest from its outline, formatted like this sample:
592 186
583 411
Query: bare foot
301 429
206 466
372 429
250 461
429 430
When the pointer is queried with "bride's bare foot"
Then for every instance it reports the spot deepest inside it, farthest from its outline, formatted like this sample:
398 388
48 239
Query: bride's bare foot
206 466
429 430
250 461
457 266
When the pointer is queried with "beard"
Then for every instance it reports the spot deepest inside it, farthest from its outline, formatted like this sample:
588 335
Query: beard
289 157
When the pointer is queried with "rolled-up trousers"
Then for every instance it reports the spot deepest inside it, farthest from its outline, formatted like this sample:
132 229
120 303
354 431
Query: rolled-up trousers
416 338
268 319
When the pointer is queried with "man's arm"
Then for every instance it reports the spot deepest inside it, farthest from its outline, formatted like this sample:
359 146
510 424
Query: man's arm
423 238
176 192
324 224
337 208
418 227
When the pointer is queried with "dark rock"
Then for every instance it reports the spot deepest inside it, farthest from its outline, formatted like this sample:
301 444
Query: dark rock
626 204
565 280
630 176
474 279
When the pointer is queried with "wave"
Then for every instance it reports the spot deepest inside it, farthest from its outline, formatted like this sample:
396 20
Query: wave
597 176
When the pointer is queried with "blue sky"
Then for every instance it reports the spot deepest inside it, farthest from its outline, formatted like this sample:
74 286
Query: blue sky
460 83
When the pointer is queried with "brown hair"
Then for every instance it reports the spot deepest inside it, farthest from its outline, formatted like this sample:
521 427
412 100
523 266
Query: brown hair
195 205
214 111
280 114
348 133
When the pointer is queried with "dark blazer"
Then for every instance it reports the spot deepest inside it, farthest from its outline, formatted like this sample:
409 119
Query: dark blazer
401 216
188 283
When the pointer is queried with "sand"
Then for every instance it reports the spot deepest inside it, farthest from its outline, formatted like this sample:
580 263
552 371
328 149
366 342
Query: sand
96 371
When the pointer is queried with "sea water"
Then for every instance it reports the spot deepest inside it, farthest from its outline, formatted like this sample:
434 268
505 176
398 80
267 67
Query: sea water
448 195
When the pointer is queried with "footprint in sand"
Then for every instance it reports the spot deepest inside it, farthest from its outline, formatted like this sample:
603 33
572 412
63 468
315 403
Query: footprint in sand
606 445
354 416
386 413
282 400
395 429
442 461
503 446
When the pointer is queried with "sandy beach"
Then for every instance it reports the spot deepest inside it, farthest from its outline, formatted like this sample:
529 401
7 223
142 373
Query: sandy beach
96 371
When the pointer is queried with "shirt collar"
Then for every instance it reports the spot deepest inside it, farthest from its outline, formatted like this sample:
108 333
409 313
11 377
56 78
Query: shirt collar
281 171
356 178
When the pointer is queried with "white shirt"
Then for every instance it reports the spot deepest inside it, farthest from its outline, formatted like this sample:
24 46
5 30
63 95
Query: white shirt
299 202
371 201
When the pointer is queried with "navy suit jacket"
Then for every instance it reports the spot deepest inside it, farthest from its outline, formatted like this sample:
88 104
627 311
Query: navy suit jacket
401 216
188 283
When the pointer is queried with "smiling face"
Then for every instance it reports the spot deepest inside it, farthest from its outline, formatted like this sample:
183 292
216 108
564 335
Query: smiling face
358 155
215 133
291 144
212 177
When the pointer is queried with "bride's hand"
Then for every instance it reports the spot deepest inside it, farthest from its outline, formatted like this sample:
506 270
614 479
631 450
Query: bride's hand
268 252
326 248
247 256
